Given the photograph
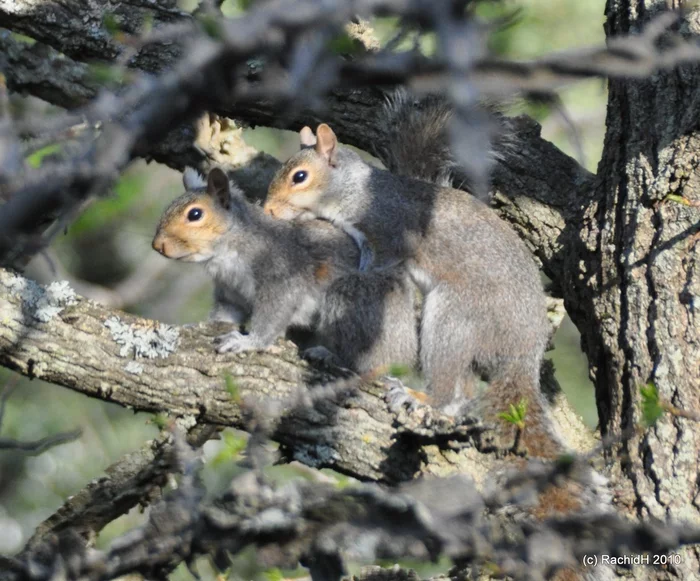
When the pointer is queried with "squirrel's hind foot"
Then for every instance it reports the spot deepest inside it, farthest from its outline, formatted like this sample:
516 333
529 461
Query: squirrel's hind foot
320 356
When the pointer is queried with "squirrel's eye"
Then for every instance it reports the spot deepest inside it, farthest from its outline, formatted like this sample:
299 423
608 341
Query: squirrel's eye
194 214
299 177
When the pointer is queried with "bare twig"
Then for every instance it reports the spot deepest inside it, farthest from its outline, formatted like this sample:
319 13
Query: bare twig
35 447
135 479
40 446
5 393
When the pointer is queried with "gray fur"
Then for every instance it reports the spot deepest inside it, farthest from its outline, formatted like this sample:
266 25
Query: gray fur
192 179
367 320
425 121
266 269
484 311
229 306
266 273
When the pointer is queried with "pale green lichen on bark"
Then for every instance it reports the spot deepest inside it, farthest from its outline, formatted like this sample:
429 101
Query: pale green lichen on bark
44 303
134 368
150 342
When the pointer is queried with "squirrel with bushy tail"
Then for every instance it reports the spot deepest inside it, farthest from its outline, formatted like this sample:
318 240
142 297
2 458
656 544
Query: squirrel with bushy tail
484 311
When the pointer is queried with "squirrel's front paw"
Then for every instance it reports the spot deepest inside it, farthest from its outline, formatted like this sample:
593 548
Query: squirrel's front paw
235 342
399 396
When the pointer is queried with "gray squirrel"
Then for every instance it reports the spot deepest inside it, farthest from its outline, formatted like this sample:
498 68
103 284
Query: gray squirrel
275 275
484 310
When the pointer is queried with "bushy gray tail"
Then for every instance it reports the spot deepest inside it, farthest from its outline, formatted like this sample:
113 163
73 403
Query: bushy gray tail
419 144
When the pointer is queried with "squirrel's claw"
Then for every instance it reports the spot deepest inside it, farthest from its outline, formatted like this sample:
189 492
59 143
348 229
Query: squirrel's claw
399 396
235 342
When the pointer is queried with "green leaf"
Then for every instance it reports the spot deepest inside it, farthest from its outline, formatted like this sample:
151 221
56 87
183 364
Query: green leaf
23 38
399 370
273 574
35 159
233 445
515 414
160 421
652 409
680 200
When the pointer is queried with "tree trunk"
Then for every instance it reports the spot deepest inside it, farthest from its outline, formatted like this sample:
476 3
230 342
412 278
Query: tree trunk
638 274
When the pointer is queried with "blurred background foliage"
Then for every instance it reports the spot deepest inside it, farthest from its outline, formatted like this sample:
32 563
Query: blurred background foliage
112 238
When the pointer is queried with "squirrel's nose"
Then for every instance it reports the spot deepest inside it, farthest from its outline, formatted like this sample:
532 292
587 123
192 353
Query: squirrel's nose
159 245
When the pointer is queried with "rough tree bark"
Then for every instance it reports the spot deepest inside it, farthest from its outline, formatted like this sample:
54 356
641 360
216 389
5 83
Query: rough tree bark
349 428
634 287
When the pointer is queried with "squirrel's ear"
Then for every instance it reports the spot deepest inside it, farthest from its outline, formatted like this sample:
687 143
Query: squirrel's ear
218 187
192 179
326 143
307 138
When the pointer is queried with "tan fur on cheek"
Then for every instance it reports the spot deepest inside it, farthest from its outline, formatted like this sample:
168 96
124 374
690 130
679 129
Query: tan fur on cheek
281 210
284 193
284 201
170 246
179 238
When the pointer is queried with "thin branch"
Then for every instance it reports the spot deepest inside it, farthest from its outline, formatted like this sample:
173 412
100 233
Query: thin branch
5 393
135 479
40 446
35 447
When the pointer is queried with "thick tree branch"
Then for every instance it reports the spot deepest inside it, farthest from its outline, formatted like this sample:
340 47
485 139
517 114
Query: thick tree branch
76 349
43 72
54 335
77 29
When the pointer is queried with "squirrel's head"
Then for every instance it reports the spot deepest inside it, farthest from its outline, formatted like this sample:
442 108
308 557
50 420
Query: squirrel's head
193 224
300 183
